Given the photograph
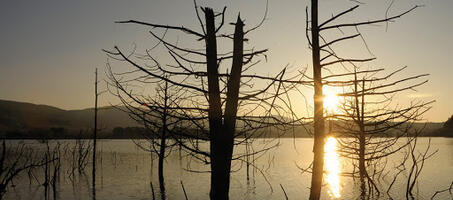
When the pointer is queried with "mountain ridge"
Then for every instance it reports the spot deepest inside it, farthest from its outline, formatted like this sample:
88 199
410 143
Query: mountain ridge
29 118
22 116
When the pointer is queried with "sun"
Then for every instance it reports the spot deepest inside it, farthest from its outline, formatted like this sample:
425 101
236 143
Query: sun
331 100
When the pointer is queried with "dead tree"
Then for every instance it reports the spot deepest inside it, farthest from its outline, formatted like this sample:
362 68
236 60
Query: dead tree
95 130
324 57
79 155
418 162
153 113
318 145
211 98
163 138
14 161
52 165
370 123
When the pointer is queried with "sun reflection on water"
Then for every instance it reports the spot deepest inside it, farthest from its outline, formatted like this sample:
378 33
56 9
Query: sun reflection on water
332 166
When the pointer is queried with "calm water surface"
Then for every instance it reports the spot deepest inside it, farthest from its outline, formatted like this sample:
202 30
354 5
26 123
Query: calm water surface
124 171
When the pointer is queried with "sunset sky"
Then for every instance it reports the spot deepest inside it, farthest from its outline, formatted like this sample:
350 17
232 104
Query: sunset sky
50 48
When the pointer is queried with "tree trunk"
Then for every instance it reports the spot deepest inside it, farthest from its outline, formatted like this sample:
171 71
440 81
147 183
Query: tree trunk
362 169
231 106
95 133
163 145
219 168
318 146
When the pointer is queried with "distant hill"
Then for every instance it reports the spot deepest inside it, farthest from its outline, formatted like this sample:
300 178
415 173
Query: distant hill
27 120
27 116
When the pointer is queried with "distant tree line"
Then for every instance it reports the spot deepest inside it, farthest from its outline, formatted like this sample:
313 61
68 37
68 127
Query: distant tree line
64 133
446 130
140 132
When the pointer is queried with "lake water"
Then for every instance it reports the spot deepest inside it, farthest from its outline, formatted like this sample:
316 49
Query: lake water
124 171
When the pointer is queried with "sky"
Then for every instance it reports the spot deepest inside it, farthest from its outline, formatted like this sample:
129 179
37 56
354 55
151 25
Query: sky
50 48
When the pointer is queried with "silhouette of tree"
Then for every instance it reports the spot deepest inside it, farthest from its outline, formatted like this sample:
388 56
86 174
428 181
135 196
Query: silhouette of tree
323 57
369 126
14 161
221 107
154 114
449 123
95 131
446 130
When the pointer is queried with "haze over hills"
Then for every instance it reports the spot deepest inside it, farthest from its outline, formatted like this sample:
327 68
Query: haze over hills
23 117
19 118
26 116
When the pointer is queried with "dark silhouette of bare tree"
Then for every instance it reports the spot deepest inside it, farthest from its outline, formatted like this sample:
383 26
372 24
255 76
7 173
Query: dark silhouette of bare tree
154 114
418 162
79 155
95 130
323 57
369 126
211 99
15 161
